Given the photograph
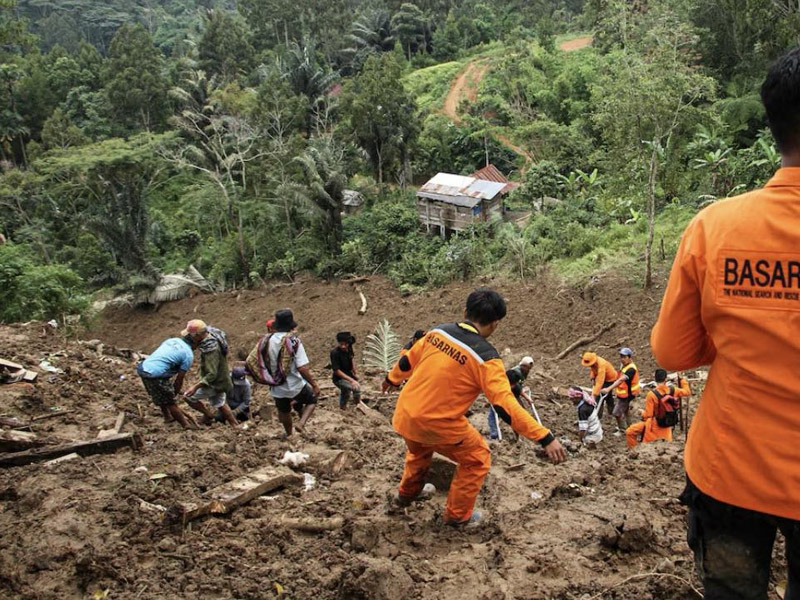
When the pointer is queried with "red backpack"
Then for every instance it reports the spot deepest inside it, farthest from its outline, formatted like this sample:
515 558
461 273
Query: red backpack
667 408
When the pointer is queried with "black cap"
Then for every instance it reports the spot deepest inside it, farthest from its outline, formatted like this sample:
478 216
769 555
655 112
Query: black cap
284 320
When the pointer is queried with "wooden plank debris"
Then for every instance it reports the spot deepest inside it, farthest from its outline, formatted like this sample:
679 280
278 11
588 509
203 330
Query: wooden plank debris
228 496
363 309
114 430
62 459
83 448
14 441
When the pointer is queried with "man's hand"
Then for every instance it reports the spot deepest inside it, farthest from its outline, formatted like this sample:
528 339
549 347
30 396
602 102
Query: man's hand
605 390
315 389
387 386
355 385
190 392
555 452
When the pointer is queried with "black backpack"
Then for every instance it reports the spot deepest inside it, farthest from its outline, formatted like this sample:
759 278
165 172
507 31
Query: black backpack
667 408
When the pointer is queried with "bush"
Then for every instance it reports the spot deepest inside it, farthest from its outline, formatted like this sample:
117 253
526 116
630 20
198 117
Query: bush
30 291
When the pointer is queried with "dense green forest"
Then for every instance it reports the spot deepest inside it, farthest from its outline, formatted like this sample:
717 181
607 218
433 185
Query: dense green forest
139 137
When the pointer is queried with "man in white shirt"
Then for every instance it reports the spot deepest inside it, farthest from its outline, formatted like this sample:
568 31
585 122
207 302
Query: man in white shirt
590 429
298 390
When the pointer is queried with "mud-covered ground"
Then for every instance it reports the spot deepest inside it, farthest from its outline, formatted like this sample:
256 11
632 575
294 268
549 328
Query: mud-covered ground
606 524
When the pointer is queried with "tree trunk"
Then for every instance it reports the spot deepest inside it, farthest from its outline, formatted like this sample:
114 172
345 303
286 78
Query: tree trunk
651 216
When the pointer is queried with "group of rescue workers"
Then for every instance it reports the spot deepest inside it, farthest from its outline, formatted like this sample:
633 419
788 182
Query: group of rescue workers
741 458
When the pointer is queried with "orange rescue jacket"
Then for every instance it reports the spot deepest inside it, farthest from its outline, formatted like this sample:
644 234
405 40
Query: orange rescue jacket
733 301
602 372
446 371
653 431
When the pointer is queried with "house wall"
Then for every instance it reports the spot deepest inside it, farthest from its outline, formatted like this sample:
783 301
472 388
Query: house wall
433 213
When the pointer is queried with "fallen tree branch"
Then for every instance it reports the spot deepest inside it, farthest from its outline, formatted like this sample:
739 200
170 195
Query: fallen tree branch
363 309
584 341
107 444
58 413
645 576
355 280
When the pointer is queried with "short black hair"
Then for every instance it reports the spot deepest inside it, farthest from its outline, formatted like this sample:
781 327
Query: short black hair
485 306
780 94
661 375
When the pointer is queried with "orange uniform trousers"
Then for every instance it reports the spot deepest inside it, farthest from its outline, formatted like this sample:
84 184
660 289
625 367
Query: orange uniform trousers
648 431
473 458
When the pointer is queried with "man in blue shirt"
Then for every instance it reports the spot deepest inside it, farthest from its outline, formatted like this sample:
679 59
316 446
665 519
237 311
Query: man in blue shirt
164 370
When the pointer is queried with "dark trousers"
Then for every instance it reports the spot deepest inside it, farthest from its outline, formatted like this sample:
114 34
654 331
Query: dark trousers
606 400
733 548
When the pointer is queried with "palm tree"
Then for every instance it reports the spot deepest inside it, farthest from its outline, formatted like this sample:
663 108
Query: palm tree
325 181
306 76
370 33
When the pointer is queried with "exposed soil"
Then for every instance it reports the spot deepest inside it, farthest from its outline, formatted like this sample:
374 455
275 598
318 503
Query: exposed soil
464 87
576 43
76 529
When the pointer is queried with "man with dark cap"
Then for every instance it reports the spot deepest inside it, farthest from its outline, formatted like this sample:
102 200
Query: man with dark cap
298 389
344 369
239 399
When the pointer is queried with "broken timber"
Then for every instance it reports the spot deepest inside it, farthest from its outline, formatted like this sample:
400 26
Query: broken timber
87 448
584 341
228 496
104 433
17 372
312 525
14 441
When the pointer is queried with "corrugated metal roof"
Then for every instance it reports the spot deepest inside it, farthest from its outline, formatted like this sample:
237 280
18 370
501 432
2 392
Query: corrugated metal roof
457 200
492 173
450 187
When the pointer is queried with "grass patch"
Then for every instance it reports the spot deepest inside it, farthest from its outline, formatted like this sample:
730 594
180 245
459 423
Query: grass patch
430 85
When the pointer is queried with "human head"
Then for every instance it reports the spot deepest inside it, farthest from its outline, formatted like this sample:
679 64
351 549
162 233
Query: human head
589 359
661 375
625 355
284 320
196 330
485 308
238 375
575 394
780 94
270 325
345 340
526 364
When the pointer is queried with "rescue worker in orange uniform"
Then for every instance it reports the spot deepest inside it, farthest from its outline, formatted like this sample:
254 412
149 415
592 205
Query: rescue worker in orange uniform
601 372
648 430
627 386
446 371
733 302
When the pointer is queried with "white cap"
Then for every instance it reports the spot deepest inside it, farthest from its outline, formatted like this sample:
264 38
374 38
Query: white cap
527 360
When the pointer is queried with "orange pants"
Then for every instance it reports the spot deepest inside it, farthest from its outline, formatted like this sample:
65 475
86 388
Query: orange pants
473 458
648 432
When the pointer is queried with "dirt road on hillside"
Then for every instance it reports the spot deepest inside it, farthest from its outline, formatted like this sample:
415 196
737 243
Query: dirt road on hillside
466 84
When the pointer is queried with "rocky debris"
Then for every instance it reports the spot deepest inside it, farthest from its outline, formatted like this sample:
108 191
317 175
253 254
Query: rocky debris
632 534
377 579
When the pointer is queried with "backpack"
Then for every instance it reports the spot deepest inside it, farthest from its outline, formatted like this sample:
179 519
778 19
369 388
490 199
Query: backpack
218 336
258 363
666 410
